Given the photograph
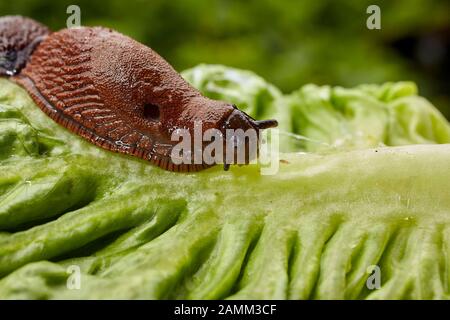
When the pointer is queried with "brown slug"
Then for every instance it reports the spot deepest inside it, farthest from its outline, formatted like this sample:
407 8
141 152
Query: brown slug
111 90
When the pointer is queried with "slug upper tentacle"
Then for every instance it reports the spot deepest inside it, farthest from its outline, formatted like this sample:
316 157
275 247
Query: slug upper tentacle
112 90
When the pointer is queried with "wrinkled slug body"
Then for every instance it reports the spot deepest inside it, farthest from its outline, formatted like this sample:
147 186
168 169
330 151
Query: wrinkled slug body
111 90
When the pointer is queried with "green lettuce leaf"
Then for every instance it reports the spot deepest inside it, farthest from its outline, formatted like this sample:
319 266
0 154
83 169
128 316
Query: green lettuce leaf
323 117
314 230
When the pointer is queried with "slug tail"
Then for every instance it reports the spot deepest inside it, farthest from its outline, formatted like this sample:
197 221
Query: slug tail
19 36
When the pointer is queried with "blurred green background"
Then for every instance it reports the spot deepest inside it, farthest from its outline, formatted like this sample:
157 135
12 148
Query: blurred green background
289 43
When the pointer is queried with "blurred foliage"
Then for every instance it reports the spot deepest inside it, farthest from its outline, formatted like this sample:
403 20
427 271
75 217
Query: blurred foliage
289 43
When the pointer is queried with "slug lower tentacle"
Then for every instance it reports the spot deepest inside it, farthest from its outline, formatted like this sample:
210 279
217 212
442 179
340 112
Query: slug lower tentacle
113 91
